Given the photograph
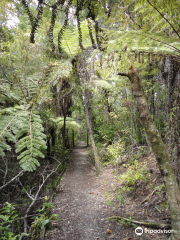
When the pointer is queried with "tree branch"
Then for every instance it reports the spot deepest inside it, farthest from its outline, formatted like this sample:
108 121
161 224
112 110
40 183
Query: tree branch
26 191
36 196
147 224
12 179
66 94
30 15
146 198
123 74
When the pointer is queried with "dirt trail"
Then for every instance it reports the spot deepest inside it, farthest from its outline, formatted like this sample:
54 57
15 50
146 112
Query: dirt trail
81 204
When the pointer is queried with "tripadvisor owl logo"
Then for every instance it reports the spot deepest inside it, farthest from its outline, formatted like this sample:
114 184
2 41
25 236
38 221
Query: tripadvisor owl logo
139 231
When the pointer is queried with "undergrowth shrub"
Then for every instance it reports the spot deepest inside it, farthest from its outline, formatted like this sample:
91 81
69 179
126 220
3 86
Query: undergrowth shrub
10 223
115 151
136 171
43 219
90 156
112 154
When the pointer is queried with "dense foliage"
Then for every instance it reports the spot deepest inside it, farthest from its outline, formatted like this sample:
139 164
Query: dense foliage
59 70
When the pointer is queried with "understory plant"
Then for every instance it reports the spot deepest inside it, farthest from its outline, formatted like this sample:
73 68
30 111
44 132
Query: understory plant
136 171
43 219
10 223
115 150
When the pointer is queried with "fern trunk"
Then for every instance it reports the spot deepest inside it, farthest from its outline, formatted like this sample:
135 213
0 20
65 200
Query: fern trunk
73 145
64 138
53 137
158 147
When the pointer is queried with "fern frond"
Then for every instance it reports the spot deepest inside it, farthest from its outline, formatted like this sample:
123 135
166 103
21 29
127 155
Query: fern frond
70 123
30 146
26 130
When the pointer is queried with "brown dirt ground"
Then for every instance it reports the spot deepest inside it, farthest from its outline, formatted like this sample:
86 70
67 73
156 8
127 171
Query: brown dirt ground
83 208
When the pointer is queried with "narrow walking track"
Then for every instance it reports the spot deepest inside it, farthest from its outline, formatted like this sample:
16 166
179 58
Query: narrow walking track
81 205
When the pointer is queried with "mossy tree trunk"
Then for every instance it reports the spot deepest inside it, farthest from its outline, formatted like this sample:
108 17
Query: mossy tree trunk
159 149
171 77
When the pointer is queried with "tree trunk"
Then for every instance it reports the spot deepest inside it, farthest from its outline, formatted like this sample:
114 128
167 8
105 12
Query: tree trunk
49 150
73 139
159 149
67 142
80 68
89 126
87 138
64 138
53 141
171 77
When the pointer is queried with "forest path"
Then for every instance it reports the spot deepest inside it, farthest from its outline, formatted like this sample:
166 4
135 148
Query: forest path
82 206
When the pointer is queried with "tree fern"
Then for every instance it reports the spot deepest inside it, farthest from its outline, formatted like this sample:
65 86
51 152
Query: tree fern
70 123
26 131
7 116
7 94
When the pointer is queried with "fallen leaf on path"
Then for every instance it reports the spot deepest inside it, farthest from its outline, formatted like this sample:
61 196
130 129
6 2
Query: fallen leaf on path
109 231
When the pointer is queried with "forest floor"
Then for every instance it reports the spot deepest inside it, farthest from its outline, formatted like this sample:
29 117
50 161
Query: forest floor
83 209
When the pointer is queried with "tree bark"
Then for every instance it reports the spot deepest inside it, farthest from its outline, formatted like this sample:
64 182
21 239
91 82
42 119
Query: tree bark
80 68
64 138
159 149
73 139
67 142
87 138
97 162
53 137
89 126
